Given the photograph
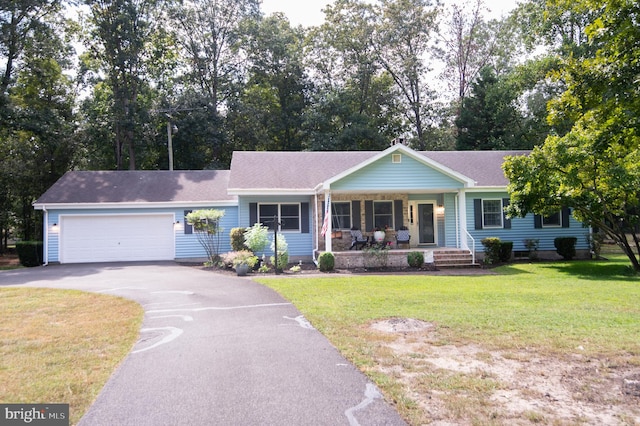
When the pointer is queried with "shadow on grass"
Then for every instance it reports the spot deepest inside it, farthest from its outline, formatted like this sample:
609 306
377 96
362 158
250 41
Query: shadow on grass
597 270
511 270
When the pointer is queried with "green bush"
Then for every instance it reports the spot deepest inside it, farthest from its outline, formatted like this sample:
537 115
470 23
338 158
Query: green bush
30 253
415 259
491 250
506 248
566 247
237 239
326 262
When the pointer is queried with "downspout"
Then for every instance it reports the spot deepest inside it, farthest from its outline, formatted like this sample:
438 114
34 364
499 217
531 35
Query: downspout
315 222
45 231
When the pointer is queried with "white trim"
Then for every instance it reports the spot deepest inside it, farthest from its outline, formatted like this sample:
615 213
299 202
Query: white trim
270 191
501 226
137 205
414 228
462 206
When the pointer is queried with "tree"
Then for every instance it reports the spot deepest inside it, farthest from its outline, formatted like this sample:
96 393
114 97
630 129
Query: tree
206 225
355 106
401 43
488 117
121 45
268 113
595 167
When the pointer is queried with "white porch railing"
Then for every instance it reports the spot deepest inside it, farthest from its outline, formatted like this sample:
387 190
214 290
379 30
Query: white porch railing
473 246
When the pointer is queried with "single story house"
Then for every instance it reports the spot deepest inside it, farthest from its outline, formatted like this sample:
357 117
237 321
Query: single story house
446 200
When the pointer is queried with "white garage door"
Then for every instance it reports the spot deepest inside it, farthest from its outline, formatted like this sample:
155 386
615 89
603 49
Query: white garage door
116 238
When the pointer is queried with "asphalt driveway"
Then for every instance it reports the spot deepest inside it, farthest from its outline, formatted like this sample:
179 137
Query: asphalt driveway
216 350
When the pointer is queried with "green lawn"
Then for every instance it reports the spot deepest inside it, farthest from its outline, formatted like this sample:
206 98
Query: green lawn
548 308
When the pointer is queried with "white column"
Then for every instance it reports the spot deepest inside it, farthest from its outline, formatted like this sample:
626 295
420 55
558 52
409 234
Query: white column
462 218
327 236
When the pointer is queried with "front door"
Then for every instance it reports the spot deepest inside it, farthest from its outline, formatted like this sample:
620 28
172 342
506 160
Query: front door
426 229
422 222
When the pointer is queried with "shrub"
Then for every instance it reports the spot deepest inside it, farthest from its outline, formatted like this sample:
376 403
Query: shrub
376 256
491 250
566 247
30 253
506 248
326 262
236 235
415 259
532 247
256 237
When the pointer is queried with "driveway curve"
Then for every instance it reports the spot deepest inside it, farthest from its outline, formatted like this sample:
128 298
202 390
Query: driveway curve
216 350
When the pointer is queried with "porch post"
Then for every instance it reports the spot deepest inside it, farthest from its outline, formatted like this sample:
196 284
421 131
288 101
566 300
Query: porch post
327 221
462 218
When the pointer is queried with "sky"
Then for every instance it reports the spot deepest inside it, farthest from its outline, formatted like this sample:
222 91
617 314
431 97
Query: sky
309 12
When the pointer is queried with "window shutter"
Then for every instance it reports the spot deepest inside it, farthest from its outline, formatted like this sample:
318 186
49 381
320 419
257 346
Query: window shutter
397 213
356 219
253 213
368 215
477 212
304 218
188 229
566 212
537 221
505 220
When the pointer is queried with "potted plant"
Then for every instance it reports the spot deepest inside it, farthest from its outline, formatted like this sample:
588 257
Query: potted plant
379 235
243 261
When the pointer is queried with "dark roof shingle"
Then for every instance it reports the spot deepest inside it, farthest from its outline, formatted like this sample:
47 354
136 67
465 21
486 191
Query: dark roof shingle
138 186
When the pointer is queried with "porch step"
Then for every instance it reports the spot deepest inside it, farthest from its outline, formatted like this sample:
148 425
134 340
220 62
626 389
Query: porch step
451 258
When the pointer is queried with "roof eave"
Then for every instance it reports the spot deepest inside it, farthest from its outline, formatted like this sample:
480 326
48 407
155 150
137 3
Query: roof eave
133 205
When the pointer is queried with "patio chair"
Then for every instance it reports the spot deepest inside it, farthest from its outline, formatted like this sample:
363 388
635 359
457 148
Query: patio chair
402 237
357 239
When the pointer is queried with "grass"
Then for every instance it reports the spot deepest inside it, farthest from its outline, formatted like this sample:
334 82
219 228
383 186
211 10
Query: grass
547 308
61 346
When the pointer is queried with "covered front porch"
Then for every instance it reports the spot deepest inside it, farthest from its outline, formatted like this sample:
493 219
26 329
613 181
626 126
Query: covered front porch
436 258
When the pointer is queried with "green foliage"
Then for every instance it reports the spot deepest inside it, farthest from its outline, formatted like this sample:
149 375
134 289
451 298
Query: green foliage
415 259
256 237
282 253
206 226
532 247
566 247
236 235
30 253
326 261
241 257
496 251
376 256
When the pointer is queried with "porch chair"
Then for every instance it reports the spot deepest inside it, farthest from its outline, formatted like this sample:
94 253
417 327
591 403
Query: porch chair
357 240
402 237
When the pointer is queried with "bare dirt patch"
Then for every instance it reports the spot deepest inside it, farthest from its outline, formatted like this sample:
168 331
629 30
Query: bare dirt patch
464 384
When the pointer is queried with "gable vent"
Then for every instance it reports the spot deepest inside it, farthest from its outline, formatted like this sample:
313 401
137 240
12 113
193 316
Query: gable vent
396 158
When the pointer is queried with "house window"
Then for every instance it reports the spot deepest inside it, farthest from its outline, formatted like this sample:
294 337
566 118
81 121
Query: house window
341 215
552 221
383 214
492 213
287 214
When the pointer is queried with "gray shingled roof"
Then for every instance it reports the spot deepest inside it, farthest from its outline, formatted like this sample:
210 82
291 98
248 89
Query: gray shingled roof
139 186
269 170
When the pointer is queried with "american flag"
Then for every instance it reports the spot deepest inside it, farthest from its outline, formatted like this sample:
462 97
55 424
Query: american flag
325 224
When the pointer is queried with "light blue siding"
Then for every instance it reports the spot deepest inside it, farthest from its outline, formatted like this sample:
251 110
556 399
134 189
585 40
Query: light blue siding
524 228
299 244
407 175
186 246
451 218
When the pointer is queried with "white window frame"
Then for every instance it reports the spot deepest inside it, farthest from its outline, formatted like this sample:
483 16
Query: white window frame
484 225
390 225
553 225
348 215
279 206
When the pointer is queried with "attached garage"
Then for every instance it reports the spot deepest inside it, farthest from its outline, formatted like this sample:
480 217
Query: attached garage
116 238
